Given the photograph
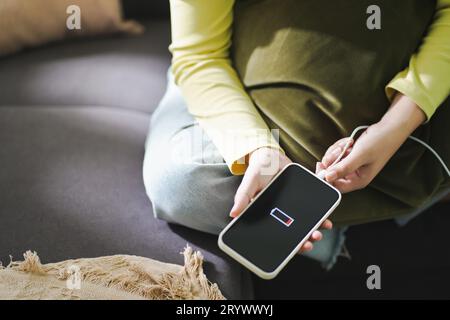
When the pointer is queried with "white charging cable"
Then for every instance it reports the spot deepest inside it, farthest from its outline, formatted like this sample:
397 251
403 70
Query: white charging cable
322 173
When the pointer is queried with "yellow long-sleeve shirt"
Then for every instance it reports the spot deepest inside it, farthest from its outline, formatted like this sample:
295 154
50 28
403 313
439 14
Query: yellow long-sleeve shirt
201 39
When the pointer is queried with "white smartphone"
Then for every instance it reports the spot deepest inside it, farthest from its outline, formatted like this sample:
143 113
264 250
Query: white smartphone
275 225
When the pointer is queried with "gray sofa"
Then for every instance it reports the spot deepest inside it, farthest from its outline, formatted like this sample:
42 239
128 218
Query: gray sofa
73 121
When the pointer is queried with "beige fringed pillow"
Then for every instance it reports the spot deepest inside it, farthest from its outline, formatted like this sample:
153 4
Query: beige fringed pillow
25 23
107 278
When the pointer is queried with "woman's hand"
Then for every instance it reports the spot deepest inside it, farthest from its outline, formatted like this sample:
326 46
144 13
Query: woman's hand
368 155
263 165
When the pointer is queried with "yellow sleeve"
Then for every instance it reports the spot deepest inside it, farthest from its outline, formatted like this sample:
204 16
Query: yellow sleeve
201 38
427 79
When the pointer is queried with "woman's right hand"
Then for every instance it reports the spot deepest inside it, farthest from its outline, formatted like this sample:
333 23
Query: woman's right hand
264 163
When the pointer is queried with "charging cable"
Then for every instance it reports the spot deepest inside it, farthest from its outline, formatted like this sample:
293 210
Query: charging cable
322 173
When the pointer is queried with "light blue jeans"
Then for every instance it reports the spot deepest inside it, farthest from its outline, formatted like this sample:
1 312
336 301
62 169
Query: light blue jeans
189 183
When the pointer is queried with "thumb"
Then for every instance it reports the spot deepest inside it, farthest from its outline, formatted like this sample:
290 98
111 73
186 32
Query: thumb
244 194
349 164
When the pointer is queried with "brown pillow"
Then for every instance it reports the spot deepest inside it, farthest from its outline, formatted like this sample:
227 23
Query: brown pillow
25 23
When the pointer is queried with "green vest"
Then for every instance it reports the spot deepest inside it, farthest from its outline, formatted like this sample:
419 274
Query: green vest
315 71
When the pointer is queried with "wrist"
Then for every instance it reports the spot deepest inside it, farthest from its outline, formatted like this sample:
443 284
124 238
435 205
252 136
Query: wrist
403 116
262 150
266 153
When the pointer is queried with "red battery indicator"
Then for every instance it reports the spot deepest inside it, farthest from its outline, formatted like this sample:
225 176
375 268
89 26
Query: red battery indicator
281 217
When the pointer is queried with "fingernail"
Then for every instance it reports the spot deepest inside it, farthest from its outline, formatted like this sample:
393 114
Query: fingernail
232 210
330 176
336 151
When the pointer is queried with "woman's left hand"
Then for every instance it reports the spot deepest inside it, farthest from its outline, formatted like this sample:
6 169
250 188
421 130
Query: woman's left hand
368 155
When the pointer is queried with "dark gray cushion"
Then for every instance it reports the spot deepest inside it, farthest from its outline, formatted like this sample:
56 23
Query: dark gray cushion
138 9
71 186
119 71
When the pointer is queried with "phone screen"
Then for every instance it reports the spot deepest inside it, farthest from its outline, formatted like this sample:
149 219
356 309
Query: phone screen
280 218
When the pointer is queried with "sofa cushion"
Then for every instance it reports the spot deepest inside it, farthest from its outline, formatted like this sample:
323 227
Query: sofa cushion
138 9
71 187
125 72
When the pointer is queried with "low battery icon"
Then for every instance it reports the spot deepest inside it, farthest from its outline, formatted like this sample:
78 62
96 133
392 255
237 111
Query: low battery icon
281 217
